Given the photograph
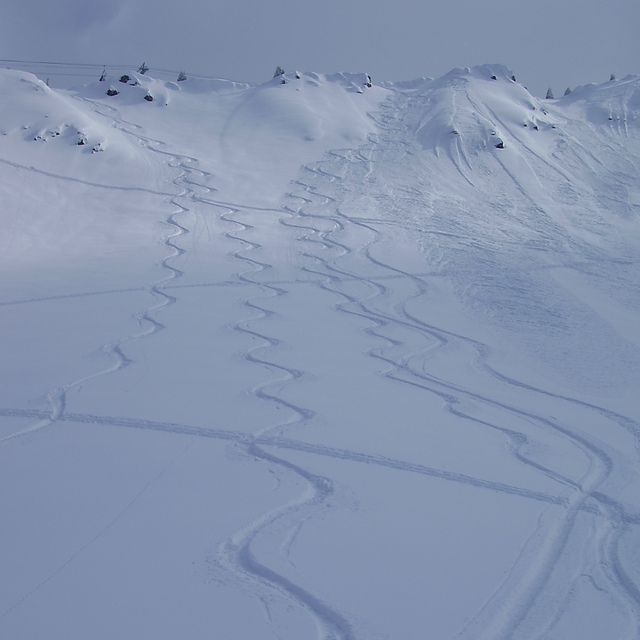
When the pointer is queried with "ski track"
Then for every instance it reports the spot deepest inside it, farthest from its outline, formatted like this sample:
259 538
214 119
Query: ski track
235 557
508 611
56 398
248 441
318 218
98 185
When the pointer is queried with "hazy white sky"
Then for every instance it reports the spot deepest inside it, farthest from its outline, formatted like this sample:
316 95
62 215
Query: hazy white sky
555 43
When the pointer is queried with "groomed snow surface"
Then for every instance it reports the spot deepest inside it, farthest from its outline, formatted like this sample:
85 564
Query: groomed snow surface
314 359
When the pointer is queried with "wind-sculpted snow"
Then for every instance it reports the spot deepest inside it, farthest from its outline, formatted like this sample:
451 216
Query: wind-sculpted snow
318 359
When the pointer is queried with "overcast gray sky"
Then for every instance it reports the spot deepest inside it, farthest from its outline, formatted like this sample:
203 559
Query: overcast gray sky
557 43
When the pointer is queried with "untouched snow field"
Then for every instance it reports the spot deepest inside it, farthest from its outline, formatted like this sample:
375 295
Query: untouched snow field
320 360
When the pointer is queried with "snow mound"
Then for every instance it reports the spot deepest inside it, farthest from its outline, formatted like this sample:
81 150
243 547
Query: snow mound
614 104
307 107
33 112
205 85
475 110
55 132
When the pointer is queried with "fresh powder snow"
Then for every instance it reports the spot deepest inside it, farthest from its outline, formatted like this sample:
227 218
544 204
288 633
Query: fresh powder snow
319 359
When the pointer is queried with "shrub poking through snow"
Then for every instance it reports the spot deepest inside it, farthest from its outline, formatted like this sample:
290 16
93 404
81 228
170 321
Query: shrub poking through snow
148 97
124 79
549 95
278 72
112 92
182 76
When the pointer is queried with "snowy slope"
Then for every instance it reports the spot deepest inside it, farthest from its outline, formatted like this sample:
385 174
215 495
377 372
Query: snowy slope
320 359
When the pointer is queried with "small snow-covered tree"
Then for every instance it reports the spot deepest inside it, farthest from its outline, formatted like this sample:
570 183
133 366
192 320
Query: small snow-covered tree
279 72
549 95
613 77
143 68
182 76
103 75
567 91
